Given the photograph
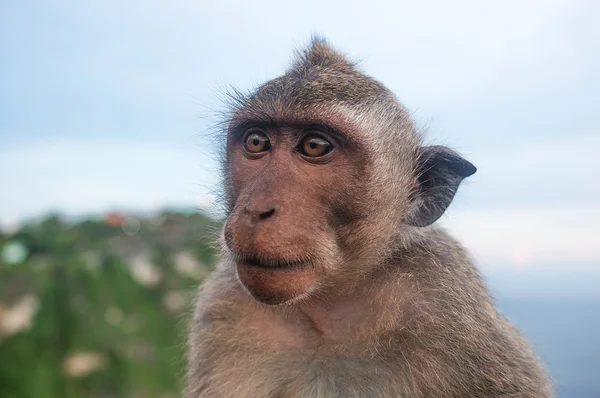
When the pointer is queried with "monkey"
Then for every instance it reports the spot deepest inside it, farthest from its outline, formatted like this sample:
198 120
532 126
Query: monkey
334 279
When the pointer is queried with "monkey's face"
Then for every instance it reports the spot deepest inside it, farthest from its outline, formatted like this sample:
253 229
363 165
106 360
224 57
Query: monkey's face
312 208
294 194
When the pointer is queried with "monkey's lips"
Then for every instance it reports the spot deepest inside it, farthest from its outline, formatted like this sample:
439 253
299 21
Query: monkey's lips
275 281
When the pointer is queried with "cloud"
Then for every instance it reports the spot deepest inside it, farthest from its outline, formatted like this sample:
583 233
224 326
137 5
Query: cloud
79 177
544 237
535 206
561 172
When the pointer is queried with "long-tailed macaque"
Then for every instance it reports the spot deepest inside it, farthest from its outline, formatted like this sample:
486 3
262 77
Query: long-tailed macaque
334 280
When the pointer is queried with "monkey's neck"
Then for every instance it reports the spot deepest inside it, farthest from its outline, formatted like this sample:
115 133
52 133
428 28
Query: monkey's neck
364 314
340 320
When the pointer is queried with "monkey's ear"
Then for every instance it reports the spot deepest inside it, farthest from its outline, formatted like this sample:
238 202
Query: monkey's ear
440 171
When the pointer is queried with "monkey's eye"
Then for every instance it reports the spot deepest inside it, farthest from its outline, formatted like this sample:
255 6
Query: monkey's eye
256 141
314 146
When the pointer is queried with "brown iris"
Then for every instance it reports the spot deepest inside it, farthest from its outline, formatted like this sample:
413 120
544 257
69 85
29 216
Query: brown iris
314 146
257 142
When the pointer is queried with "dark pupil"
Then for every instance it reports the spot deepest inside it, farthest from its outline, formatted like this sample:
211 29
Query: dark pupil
256 141
313 145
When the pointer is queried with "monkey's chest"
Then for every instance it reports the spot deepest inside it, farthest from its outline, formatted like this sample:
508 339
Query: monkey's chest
275 369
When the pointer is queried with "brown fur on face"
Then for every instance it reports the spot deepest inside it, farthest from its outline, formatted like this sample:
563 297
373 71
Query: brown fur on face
333 281
318 206
311 207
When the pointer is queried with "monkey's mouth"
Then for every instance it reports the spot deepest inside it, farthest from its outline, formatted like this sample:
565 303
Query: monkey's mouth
271 263
275 281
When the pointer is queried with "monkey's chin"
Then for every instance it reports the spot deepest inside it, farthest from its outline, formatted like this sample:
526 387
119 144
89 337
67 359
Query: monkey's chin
275 286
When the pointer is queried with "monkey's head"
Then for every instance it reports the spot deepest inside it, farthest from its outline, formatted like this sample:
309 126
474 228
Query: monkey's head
325 176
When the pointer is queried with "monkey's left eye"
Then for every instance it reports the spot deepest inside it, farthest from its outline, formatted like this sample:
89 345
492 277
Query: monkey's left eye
314 146
256 141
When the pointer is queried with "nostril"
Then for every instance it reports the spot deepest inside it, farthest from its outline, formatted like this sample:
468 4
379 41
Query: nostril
266 214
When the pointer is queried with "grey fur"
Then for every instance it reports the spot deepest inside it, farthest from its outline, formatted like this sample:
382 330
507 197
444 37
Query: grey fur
422 322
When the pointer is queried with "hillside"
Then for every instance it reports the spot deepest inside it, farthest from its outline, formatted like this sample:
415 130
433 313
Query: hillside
97 308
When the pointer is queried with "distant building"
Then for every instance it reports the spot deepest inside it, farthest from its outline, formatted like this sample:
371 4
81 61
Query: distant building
114 218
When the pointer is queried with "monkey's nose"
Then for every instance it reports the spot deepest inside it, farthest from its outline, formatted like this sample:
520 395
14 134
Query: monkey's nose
266 214
258 213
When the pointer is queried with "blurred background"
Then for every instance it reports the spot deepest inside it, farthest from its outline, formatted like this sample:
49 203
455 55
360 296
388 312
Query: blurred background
108 172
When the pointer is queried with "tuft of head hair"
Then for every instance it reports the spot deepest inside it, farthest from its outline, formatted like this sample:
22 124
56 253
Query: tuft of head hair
320 54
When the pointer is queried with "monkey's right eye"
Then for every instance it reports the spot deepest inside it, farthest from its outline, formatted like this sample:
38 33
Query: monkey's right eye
256 142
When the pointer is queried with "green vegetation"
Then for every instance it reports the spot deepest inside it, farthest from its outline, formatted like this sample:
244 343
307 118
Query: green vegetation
98 308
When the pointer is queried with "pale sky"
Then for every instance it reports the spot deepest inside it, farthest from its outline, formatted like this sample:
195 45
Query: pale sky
107 105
